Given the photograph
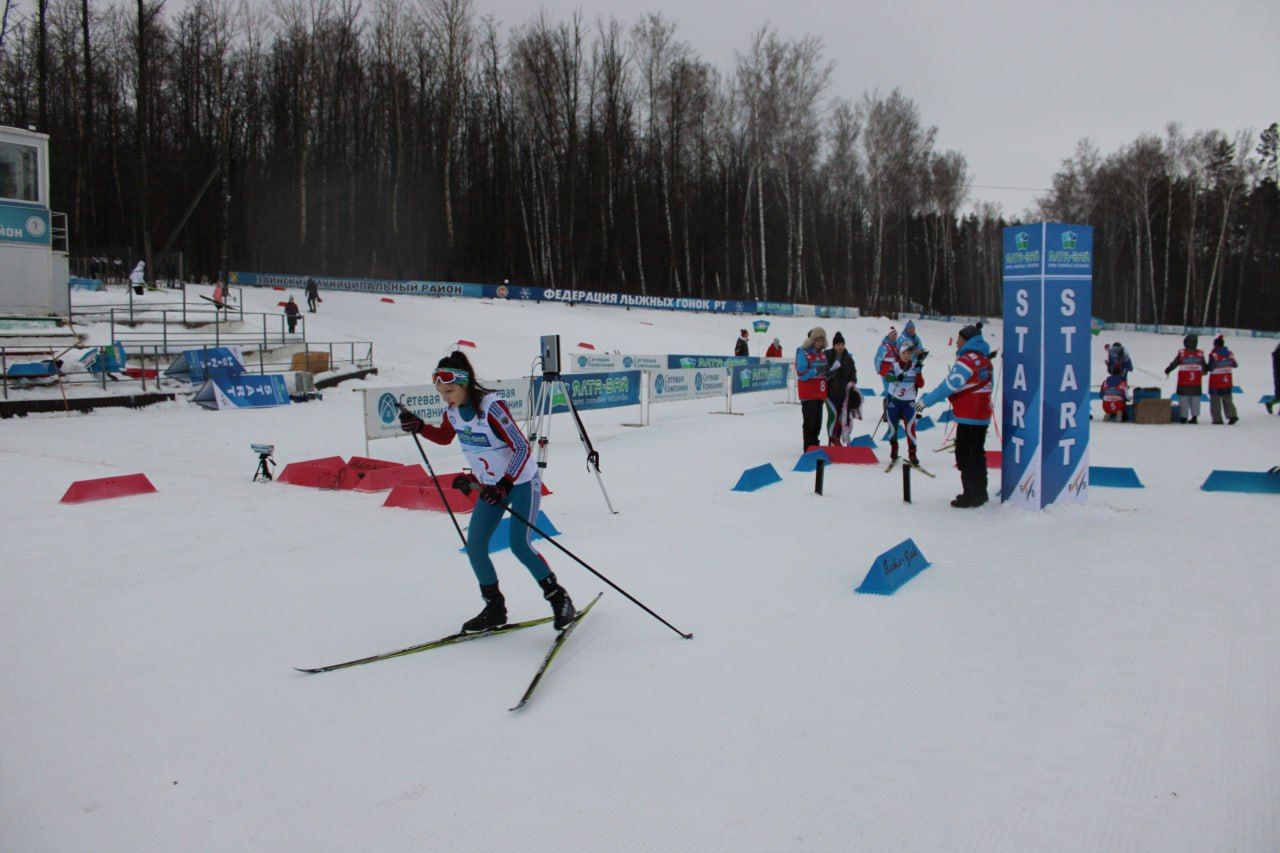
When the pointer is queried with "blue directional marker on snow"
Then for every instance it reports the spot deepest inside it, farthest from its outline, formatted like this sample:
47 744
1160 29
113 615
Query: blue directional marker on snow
1114 478
1249 482
894 568
809 461
757 478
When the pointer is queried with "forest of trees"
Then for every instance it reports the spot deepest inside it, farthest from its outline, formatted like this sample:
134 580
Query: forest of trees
416 139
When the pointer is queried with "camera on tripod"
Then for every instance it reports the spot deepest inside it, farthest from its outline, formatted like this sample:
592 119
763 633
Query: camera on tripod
550 346
265 453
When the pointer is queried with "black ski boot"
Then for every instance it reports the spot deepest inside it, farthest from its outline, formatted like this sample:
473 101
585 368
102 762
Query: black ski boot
561 605
893 449
494 613
911 456
1194 420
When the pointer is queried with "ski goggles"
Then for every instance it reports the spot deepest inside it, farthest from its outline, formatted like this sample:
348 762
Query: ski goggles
448 376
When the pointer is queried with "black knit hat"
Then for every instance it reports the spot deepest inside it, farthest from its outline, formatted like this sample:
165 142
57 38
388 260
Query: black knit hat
971 331
1219 341
838 339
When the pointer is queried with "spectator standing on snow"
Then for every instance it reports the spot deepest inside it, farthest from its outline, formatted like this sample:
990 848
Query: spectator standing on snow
1191 366
1275 377
811 382
1221 385
774 350
502 463
138 278
291 313
740 345
313 295
842 376
968 387
1118 362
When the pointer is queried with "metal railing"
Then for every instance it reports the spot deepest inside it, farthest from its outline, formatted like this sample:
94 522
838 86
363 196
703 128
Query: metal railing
191 311
146 364
272 330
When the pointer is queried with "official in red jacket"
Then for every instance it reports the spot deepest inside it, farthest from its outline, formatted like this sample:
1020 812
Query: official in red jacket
1191 366
1221 362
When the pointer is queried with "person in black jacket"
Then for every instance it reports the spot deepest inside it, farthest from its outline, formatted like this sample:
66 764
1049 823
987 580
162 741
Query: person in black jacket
291 314
842 380
740 346
1275 375
313 295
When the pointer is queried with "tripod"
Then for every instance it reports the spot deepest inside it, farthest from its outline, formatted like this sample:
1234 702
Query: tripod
538 427
263 474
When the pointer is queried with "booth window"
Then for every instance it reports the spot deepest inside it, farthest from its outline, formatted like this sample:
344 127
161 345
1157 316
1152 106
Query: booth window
19 172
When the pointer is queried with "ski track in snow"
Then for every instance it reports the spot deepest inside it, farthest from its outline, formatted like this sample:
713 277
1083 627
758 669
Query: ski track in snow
1096 677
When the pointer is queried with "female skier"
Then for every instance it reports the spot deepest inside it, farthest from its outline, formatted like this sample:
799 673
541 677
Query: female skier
502 460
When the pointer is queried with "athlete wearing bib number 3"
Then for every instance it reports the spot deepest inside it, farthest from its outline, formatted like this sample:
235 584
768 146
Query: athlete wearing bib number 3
902 377
502 461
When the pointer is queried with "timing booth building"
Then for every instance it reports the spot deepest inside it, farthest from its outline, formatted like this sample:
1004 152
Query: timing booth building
33 252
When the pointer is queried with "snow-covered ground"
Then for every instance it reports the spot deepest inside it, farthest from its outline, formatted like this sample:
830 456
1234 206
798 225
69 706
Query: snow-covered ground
1086 678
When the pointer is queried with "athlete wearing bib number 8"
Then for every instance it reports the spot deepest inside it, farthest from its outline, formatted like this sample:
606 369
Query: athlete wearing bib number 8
502 461
902 376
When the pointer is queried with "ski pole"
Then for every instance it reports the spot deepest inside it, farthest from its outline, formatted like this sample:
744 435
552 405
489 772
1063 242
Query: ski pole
529 524
436 480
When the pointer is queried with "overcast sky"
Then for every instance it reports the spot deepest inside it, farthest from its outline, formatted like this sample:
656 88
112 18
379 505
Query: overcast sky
1011 85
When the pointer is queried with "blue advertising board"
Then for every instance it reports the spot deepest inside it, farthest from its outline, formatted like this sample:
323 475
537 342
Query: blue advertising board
1048 291
197 365
589 391
759 377
250 391
684 362
20 223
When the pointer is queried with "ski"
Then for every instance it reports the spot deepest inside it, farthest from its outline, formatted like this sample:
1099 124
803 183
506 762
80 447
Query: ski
916 467
551 653
434 644
892 462
946 447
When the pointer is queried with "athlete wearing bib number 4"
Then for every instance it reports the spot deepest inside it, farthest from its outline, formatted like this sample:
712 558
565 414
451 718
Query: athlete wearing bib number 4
502 462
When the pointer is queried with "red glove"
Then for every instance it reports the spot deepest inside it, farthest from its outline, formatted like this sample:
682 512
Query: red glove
464 483
497 493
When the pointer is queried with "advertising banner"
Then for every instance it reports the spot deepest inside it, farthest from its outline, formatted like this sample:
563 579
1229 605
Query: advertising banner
679 362
197 365
1068 298
667 386
607 361
1046 373
365 285
605 390
760 377
382 416
24 224
250 391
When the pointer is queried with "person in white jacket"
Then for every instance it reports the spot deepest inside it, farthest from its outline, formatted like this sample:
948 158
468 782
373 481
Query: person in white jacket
138 278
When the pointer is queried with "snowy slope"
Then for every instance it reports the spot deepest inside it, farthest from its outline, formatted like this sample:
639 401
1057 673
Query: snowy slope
1097 677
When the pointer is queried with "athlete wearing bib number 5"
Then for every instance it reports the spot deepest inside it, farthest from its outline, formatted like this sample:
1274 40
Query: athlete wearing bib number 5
502 461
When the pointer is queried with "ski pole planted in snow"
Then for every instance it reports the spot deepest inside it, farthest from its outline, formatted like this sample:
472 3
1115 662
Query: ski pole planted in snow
436 480
529 524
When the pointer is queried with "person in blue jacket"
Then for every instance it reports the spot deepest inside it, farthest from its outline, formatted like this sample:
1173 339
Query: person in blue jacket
910 338
968 386
1118 361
